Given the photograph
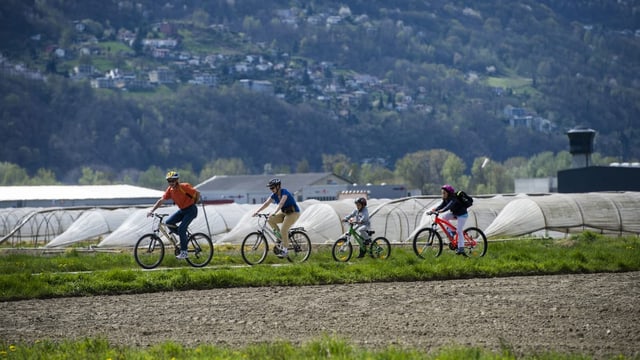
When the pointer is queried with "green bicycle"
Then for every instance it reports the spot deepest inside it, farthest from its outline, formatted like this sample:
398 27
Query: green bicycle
342 249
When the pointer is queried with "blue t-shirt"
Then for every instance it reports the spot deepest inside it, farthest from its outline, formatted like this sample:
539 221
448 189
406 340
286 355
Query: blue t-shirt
290 200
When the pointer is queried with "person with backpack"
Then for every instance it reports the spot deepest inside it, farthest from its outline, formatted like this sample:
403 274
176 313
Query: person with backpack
185 196
458 210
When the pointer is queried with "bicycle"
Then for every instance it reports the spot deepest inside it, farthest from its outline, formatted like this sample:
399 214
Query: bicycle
428 242
255 245
342 249
149 250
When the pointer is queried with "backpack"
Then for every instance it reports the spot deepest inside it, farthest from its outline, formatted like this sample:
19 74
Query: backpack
464 198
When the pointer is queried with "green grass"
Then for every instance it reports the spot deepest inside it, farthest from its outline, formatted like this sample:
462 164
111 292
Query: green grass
78 273
323 348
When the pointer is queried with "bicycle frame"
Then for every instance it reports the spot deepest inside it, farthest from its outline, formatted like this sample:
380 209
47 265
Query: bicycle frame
342 249
255 245
427 241
453 239
150 248
161 227
353 233
267 231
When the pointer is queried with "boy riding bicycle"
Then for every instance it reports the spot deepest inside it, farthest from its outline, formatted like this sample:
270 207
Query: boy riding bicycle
360 217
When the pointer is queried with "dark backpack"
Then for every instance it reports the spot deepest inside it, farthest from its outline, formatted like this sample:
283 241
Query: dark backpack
464 198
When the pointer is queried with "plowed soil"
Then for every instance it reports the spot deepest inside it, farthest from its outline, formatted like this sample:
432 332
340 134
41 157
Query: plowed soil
593 314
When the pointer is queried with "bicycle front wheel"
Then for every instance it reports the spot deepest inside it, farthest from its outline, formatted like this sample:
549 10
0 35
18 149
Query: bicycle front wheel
475 242
299 247
342 250
200 249
149 251
427 243
254 248
380 248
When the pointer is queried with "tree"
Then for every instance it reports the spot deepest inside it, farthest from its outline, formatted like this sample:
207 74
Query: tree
91 177
453 172
44 177
223 166
12 174
423 169
339 164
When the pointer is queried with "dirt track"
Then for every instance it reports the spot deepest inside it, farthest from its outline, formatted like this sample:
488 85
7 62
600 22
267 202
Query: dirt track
596 314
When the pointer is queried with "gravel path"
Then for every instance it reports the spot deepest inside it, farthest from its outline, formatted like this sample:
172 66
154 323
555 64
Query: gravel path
595 314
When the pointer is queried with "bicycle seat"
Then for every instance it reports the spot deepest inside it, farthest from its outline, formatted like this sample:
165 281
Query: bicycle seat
371 232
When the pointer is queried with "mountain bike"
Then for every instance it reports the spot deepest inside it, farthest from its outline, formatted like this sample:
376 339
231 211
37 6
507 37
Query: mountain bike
255 245
342 249
428 242
149 250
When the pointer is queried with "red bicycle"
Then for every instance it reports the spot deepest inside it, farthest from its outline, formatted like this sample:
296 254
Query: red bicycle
428 241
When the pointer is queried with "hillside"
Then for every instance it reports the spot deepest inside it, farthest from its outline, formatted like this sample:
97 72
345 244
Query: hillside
288 83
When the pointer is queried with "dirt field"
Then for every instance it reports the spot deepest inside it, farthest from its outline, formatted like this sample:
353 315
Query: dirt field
595 314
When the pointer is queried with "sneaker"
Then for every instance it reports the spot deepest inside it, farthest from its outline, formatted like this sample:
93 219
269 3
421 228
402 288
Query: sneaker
460 251
182 255
283 253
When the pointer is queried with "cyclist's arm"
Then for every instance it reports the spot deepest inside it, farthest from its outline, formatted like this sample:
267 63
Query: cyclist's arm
444 206
350 216
155 206
264 205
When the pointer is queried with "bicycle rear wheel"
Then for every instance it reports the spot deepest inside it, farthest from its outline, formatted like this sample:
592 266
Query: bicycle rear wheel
200 249
475 242
342 250
254 248
427 243
380 248
149 251
299 247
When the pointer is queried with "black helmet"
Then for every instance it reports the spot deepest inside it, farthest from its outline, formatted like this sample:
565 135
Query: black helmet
362 201
273 182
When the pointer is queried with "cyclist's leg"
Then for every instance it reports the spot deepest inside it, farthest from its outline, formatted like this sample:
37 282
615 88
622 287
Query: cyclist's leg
276 219
287 222
173 220
462 219
189 214
362 230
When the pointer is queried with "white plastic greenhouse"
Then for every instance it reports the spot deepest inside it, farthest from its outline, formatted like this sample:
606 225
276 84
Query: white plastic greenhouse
499 215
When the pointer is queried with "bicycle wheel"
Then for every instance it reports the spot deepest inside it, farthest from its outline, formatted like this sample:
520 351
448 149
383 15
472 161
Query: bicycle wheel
380 248
299 247
427 243
200 249
149 251
342 250
254 248
475 242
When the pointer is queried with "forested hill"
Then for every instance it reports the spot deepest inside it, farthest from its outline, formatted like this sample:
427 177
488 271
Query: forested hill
367 79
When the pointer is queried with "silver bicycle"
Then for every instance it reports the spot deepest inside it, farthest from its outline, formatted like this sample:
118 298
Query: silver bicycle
255 246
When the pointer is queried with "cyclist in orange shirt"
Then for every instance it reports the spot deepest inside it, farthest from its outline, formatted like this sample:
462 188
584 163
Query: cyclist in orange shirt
185 196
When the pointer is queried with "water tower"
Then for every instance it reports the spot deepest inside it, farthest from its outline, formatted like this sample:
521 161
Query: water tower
581 146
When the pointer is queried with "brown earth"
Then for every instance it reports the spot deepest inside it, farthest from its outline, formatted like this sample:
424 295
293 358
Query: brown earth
594 314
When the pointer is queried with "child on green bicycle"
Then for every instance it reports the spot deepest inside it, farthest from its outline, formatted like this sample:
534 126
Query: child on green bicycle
360 217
